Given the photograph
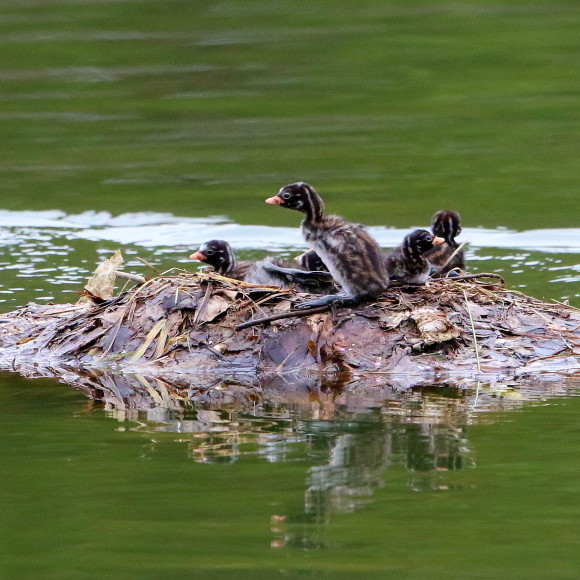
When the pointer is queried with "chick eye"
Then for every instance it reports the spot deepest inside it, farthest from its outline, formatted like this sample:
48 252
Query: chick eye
209 252
429 239
286 195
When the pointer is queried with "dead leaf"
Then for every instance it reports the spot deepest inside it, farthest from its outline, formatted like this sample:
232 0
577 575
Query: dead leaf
232 345
148 340
434 325
477 311
182 301
102 282
523 324
392 319
215 306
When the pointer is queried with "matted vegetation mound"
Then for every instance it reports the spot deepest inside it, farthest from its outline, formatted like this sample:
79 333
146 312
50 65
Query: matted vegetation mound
197 323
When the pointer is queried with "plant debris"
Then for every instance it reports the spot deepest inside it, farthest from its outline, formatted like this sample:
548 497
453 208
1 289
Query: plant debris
174 328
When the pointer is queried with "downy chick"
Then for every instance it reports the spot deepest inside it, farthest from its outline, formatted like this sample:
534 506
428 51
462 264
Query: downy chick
407 264
446 225
267 272
349 253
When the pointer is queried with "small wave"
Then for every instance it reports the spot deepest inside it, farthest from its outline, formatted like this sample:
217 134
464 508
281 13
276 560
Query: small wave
162 230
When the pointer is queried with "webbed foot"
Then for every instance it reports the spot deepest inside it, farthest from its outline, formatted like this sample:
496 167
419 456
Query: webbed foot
455 273
312 279
338 299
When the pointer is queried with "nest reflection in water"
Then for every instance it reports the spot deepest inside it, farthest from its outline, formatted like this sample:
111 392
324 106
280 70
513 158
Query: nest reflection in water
185 337
363 392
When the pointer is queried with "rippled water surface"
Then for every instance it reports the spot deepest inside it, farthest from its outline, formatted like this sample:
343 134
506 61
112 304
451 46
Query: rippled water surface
153 126
60 251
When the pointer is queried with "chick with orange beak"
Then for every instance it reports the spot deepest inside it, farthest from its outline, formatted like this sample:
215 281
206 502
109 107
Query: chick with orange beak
407 264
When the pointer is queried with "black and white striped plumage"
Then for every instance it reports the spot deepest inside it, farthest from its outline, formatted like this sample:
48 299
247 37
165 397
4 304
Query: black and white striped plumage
349 253
267 272
310 260
446 225
219 255
407 264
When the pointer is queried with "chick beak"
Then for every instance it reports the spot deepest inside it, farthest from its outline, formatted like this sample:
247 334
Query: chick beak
274 200
437 241
198 256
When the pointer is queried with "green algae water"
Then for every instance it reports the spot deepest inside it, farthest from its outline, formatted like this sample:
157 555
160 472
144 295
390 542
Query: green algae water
290 491
153 126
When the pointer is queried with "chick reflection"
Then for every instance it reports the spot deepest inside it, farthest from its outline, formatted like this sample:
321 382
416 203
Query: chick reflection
355 440
213 439
225 436
357 462
355 455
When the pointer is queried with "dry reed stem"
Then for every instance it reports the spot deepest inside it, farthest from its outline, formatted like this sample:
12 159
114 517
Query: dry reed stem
441 268
472 331
149 265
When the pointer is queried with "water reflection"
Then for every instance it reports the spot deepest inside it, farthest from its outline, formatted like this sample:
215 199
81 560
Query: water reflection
349 439
351 432
347 456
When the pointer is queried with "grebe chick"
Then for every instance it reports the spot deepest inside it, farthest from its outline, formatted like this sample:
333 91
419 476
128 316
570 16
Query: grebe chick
352 256
267 272
218 254
407 264
446 225
310 260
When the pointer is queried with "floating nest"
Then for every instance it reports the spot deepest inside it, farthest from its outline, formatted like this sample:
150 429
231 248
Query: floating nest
203 333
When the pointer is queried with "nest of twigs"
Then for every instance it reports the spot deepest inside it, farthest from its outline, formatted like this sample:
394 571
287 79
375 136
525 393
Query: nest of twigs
193 323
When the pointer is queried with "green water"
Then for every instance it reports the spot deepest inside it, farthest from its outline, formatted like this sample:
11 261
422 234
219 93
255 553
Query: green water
278 493
393 108
198 108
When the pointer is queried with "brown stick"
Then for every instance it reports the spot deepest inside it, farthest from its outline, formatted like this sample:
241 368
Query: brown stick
474 277
133 277
291 314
